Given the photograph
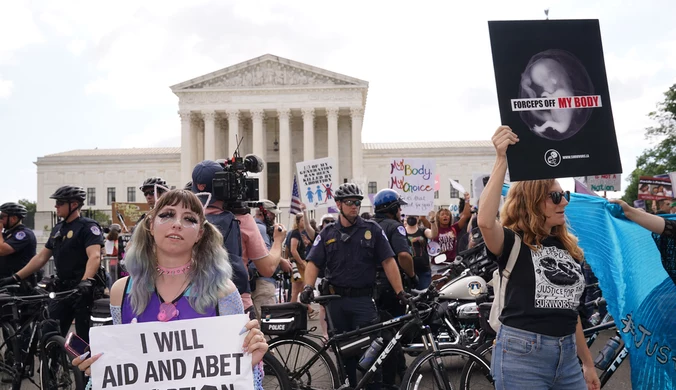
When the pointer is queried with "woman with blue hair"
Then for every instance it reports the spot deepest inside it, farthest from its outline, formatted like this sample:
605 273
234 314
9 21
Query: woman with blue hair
179 270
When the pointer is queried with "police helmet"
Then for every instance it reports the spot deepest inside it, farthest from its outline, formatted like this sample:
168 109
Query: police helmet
387 199
116 227
15 209
70 193
152 181
348 190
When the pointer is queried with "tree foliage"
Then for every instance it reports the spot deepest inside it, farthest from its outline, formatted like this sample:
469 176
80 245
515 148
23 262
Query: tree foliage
661 158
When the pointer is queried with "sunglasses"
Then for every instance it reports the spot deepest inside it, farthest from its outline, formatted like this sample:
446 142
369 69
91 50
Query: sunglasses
61 202
149 193
350 202
558 196
327 221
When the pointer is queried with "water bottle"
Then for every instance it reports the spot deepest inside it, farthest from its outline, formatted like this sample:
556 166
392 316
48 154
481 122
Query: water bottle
294 271
607 354
595 319
371 354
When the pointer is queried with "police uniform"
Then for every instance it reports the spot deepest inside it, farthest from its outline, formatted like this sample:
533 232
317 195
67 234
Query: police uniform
68 243
351 256
386 297
23 241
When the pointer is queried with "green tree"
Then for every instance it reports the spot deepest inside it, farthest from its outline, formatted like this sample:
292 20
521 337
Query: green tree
31 207
661 158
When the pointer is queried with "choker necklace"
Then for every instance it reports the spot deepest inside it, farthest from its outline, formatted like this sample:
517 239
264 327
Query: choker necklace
174 271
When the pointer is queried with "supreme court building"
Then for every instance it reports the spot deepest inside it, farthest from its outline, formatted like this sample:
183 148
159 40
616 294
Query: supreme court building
281 110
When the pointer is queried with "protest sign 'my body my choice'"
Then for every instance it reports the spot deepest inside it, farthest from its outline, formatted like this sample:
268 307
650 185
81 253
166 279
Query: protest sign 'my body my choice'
413 179
190 354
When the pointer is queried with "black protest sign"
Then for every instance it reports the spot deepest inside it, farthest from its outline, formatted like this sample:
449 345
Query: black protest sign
172 355
553 93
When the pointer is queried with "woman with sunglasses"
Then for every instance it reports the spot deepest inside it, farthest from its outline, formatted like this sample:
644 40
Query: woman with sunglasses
179 270
540 340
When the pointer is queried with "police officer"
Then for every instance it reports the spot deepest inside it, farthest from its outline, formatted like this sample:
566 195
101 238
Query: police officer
387 203
351 249
75 243
152 188
17 243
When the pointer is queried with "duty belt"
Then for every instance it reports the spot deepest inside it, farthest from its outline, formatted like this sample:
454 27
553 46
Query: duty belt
351 292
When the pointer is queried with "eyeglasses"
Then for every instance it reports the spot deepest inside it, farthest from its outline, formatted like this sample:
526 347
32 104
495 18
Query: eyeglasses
61 202
557 196
149 193
350 202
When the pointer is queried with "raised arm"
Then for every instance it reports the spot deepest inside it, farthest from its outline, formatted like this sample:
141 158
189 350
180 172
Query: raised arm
491 230
649 221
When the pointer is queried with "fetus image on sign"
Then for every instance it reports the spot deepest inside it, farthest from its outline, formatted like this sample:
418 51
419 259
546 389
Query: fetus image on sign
555 74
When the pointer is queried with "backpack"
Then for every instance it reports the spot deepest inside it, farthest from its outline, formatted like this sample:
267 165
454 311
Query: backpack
228 225
500 285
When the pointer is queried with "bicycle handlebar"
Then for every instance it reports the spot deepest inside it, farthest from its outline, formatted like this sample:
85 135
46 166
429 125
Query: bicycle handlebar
38 297
598 303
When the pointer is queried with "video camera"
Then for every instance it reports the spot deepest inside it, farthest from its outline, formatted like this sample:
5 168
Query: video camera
232 186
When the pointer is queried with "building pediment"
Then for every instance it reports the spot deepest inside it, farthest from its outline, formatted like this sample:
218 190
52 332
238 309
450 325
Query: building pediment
268 72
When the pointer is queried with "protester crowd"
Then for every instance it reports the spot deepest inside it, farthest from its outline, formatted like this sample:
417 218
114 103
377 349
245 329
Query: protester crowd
193 256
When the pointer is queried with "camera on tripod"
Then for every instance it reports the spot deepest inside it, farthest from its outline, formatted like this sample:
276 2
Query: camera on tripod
233 186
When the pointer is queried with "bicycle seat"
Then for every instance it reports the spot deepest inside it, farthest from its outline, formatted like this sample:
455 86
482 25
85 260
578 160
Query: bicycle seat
326 298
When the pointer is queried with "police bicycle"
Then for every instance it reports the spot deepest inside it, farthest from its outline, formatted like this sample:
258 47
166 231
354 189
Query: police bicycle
28 332
608 360
309 365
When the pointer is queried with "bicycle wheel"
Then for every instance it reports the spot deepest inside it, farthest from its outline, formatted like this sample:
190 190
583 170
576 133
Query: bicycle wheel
436 370
276 377
294 352
56 372
473 374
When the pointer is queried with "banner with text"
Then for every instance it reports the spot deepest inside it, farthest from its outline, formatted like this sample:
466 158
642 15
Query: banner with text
654 188
171 355
316 182
413 179
604 182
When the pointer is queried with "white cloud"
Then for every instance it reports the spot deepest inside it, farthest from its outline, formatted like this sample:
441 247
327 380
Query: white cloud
17 29
164 132
77 46
5 88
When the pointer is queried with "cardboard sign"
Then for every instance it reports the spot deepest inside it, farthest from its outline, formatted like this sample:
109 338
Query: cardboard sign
172 355
654 188
130 213
413 179
604 182
316 182
553 93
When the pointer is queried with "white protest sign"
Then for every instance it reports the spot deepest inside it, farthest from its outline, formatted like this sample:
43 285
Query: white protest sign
316 182
458 186
413 179
672 176
604 182
200 354
479 181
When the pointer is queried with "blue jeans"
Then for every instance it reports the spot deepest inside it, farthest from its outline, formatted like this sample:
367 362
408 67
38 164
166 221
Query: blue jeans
526 360
424 279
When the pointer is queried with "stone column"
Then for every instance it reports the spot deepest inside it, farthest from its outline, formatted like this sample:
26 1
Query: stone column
209 135
308 134
332 121
285 170
233 130
259 148
195 131
357 114
186 147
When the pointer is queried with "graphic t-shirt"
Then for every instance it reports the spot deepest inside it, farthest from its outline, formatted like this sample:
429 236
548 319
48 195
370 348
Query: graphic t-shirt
448 240
544 290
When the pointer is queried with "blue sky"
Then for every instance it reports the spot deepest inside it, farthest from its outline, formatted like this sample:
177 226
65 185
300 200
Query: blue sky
83 74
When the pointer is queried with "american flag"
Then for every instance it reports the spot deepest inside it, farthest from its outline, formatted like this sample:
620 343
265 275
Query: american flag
295 198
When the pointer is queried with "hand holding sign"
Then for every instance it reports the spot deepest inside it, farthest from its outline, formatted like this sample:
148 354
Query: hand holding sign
502 139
